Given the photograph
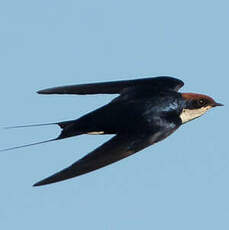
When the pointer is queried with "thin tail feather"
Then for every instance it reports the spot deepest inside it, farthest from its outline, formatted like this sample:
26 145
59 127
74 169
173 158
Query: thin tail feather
61 124
28 126
27 145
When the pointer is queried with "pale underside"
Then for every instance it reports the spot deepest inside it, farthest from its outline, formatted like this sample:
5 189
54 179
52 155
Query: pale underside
190 114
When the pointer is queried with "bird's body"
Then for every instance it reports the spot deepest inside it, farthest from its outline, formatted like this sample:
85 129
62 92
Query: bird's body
140 113
145 112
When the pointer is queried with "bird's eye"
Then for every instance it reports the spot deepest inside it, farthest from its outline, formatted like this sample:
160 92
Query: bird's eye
202 102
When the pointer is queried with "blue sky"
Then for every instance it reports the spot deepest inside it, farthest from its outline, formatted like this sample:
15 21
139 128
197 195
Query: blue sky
180 183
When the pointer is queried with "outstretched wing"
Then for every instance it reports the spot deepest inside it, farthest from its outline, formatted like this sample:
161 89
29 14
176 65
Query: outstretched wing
117 87
117 148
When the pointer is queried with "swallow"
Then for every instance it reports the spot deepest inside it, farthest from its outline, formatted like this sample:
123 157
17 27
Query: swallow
145 112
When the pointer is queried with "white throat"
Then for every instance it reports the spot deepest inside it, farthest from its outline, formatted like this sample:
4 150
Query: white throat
190 114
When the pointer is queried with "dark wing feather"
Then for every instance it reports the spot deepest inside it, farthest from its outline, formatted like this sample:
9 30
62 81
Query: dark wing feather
115 149
117 87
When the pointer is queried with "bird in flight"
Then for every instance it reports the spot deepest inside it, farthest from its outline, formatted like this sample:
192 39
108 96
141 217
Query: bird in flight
145 112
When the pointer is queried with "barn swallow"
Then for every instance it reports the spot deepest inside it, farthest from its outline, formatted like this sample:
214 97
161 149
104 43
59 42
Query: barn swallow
145 112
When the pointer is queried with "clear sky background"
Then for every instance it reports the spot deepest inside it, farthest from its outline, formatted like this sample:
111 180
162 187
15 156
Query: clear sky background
180 183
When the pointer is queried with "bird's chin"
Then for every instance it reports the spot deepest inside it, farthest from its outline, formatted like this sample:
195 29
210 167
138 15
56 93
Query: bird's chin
190 114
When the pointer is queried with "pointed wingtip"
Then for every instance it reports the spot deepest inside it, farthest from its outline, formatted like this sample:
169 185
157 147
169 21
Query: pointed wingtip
49 180
43 91
46 181
38 184
35 185
43 182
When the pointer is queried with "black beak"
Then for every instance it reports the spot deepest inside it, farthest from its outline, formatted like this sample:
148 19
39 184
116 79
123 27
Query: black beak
217 104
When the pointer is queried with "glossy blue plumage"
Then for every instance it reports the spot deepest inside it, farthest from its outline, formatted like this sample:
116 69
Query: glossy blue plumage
145 112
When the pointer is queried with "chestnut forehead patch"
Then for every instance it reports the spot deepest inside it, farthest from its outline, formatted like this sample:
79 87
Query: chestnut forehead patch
196 96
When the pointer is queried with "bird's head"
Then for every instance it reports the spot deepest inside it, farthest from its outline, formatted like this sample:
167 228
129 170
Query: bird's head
196 105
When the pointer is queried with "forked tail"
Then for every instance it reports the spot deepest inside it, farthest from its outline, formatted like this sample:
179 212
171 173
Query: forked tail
62 125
